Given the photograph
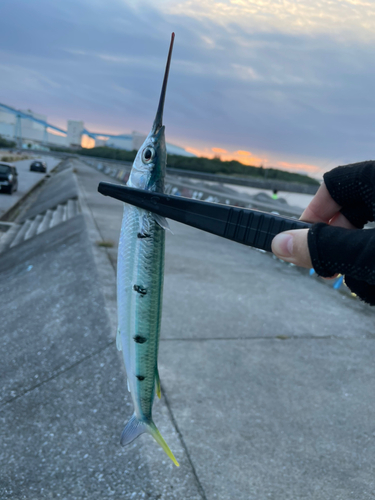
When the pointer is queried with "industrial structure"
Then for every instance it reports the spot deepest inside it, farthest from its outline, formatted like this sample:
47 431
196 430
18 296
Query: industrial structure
31 130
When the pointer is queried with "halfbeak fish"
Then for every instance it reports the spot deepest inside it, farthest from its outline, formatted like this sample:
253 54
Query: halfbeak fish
140 274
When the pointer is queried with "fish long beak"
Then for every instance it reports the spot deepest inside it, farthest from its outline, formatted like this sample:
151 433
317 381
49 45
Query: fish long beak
158 122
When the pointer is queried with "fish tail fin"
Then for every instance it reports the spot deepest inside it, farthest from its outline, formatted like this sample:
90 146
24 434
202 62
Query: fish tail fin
155 433
136 427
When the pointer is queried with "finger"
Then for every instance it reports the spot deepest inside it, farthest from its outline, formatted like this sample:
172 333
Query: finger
339 220
292 246
321 208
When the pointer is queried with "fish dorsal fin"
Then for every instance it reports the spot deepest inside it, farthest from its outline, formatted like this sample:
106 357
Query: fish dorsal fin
157 383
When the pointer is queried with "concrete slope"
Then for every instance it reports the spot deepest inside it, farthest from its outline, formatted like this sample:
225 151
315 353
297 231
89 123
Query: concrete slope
57 190
40 223
55 202
63 398
45 324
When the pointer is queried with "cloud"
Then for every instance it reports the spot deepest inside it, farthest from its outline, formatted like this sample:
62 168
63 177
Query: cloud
279 79
340 18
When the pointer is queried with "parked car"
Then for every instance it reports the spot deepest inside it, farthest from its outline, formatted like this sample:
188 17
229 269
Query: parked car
8 178
38 166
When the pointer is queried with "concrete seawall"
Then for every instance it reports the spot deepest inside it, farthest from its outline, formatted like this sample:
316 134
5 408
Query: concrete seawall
292 187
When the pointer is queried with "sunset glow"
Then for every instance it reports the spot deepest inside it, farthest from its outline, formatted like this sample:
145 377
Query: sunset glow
219 150
247 158
87 142
300 167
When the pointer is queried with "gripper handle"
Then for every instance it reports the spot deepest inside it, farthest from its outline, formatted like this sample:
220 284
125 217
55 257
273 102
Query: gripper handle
257 229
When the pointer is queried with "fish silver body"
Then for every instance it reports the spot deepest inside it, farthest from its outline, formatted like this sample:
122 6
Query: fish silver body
140 275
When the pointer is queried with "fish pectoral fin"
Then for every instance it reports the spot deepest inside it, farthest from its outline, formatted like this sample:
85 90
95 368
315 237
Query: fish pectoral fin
157 383
118 340
144 225
161 221
136 427
128 385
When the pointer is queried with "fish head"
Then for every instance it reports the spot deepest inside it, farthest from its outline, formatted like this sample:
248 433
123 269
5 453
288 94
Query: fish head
149 166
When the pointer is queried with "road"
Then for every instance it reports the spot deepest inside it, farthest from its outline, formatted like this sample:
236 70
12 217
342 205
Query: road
26 180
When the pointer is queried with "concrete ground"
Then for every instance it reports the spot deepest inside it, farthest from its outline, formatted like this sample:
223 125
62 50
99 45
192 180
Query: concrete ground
26 180
267 374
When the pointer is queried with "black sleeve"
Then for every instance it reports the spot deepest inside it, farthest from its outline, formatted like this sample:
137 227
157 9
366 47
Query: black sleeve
348 251
353 188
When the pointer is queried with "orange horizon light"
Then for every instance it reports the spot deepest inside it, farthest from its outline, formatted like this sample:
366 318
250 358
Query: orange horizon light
219 150
247 158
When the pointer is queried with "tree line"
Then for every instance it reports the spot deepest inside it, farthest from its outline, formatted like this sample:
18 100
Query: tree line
200 164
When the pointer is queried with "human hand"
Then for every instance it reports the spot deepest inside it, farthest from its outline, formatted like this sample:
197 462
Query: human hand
334 244
292 246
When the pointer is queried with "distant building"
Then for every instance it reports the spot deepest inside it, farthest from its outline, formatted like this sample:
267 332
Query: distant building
29 128
31 131
100 142
123 142
35 131
7 125
137 140
177 150
74 136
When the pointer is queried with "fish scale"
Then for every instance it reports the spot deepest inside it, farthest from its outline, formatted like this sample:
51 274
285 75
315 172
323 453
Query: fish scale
148 273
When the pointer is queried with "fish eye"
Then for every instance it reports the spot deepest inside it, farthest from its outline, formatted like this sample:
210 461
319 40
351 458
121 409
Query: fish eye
148 154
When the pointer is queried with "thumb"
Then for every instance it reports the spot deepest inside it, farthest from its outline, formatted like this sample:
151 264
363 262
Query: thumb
292 246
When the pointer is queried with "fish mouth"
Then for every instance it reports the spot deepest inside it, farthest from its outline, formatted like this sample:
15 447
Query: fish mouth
158 122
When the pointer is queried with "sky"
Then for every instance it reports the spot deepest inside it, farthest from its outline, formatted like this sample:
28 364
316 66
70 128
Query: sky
280 83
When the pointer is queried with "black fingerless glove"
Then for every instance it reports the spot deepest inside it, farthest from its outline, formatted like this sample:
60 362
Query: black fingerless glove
348 251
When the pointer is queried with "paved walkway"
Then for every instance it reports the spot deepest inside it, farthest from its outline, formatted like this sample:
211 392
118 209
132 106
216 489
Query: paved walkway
267 374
